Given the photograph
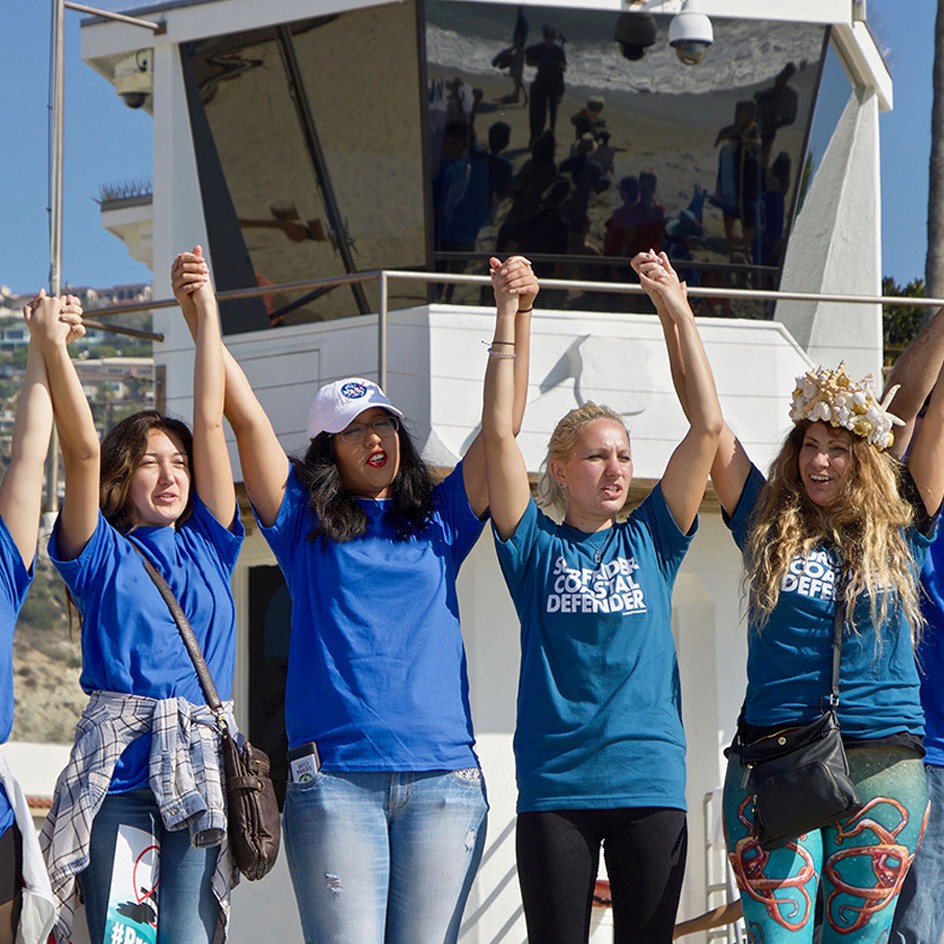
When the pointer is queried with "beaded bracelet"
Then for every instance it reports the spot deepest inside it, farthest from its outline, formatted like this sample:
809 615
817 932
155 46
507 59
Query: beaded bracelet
502 355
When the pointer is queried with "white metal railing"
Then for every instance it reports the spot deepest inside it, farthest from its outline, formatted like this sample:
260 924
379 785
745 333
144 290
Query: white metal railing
384 276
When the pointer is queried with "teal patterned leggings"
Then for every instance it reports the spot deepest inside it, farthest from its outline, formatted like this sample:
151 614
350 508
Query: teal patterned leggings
857 865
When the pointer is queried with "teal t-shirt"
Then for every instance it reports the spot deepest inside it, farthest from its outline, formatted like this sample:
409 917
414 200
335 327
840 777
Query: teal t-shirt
789 661
599 702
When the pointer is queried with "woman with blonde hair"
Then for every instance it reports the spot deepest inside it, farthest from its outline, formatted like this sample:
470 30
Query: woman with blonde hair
837 522
599 745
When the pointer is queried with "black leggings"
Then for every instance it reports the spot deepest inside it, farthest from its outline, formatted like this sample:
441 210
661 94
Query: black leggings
558 854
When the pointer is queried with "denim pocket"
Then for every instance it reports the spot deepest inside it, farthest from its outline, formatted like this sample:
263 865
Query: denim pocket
467 777
312 781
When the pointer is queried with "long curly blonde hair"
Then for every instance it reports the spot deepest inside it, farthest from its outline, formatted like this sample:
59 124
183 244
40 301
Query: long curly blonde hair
548 494
866 525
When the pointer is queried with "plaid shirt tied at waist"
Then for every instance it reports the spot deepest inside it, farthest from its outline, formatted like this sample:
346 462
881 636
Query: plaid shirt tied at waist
185 777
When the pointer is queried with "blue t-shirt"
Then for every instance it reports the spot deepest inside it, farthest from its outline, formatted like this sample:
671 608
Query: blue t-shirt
130 642
377 671
789 661
14 582
599 703
931 652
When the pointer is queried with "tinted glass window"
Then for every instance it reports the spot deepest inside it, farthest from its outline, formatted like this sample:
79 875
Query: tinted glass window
309 144
560 131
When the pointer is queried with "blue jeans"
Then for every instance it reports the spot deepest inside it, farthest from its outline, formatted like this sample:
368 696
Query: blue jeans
919 917
384 858
188 911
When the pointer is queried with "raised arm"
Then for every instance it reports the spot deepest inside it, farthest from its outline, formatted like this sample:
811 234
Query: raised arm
683 483
731 464
264 464
22 487
915 373
519 288
51 330
212 472
507 476
926 456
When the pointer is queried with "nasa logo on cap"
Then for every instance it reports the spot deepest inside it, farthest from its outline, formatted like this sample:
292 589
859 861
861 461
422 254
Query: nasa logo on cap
353 390
337 404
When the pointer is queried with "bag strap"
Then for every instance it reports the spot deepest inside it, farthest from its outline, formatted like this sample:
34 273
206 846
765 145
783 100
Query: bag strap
186 633
838 624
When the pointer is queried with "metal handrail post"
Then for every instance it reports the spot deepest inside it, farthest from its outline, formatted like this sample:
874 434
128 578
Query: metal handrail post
382 331
56 123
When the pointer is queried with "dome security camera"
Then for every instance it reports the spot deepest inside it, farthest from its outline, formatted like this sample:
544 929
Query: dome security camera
635 33
134 79
690 35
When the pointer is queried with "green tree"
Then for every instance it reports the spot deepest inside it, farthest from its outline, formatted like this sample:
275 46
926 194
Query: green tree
900 323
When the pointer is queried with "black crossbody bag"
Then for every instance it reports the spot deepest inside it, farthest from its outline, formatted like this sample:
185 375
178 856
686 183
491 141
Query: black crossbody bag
799 776
252 811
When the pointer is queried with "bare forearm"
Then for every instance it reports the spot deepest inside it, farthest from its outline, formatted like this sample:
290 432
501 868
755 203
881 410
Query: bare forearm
522 363
500 417
74 420
33 424
209 378
703 409
917 369
676 363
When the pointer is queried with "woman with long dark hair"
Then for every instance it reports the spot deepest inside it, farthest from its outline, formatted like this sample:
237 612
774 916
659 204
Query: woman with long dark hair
385 810
145 762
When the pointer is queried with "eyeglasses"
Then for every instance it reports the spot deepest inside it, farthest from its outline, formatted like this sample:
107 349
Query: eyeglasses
385 429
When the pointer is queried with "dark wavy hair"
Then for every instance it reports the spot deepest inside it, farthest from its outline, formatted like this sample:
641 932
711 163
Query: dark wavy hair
122 449
335 511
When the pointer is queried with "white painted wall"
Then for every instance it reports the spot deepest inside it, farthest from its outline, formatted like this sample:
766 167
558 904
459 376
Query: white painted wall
835 247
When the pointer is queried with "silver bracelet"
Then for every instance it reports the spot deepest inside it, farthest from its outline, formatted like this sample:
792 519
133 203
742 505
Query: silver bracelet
502 355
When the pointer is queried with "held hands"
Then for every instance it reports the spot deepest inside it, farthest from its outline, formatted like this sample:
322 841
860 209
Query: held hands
54 319
661 282
513 281
190 280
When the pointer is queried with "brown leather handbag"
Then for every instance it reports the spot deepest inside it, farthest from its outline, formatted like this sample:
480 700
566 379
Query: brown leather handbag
253 826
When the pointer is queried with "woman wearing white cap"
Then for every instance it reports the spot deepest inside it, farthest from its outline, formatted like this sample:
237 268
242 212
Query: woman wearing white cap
385 812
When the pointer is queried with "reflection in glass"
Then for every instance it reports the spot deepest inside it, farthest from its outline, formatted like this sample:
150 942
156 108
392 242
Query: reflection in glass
833 96
566 131
315 132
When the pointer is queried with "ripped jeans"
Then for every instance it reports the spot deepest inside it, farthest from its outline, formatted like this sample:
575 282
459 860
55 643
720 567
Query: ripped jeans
384 858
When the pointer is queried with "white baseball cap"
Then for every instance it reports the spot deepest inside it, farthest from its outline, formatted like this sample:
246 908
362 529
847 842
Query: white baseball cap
337 404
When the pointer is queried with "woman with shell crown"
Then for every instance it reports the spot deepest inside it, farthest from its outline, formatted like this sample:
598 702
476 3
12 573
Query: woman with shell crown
836 518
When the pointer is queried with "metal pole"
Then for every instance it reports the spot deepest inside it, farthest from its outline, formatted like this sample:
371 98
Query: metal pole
55 146
57 82
382 333
156 28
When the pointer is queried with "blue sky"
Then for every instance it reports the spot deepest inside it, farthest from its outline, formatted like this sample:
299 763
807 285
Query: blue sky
107 142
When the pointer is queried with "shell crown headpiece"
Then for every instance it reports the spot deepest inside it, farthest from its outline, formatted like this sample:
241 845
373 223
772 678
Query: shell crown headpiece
832 396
